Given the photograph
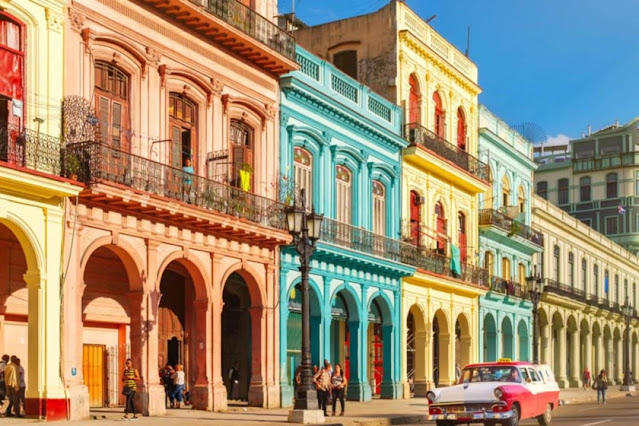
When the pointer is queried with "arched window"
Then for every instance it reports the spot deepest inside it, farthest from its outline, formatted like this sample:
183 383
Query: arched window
584 189
461 236
522 274
414 109
303 167
595 279
441 228
505 191
584 275
241 148
379 208
521 199
611 185
112 105
488 262
617 293
344 194
440 117
183 122
461 129
606 284
12 82
571 269
555 263
542 190
562 192
415 217
505 268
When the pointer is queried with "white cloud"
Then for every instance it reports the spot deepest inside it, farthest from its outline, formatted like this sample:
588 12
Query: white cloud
560 139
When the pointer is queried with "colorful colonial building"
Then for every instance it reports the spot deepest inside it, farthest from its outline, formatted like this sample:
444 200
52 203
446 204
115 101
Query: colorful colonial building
507 243
401 57
342 144
587 279
32 198
171 122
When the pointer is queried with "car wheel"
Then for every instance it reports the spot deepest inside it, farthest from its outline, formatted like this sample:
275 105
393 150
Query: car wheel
443 423
514 420
544 419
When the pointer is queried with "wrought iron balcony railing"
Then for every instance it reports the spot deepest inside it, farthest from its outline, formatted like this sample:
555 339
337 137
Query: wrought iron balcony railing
417 134
578 294
94 162
512 226
29 149
507 287
251 23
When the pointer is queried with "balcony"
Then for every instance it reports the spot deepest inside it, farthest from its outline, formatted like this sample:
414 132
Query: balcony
625 159
510 227
507 287
420 136
29 149
99 165
237 28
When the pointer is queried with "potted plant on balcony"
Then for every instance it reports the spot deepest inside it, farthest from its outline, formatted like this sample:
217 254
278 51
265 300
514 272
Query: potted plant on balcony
515 228
72 165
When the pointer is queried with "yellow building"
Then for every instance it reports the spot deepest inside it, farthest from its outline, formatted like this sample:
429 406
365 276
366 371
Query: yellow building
32 197
412 65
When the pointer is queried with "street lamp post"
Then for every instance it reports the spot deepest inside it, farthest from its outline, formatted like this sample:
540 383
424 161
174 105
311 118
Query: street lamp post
628 384
535 290
305 229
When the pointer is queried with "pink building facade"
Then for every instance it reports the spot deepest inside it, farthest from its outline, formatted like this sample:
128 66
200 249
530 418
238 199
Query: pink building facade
171 122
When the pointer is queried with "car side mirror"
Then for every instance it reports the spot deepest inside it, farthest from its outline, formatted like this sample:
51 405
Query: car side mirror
528 380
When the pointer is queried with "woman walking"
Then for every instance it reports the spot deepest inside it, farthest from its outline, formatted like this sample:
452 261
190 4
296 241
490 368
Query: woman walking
129 378
338 382
602 385
178 385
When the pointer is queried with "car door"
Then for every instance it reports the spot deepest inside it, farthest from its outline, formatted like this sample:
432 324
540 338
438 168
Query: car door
537 388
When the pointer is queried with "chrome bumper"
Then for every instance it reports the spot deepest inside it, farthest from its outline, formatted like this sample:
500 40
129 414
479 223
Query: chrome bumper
473 416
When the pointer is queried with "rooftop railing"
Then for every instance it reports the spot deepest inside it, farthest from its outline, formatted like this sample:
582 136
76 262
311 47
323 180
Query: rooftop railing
512 226
93 162
30 149
417 134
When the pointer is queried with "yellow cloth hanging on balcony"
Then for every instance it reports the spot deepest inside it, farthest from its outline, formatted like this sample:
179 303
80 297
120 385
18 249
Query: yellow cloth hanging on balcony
245 180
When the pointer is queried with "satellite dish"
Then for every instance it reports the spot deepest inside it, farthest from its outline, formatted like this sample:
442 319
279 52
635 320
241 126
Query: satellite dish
532 131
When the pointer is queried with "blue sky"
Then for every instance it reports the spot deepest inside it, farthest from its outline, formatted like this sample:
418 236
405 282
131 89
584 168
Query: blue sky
562 64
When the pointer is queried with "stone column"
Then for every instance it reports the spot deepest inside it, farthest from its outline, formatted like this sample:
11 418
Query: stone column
575 376
546 344
619 360
201 395
422 368
560 356
609 359
257 388
600 359
219 390
286 389
359 388
588 361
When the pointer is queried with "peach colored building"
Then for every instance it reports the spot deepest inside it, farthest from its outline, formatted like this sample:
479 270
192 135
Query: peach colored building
171 121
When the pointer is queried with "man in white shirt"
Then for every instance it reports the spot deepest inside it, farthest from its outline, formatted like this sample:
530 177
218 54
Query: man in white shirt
3 389
22 383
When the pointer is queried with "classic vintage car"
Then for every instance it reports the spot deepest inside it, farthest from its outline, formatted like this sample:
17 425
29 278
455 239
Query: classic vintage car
502 392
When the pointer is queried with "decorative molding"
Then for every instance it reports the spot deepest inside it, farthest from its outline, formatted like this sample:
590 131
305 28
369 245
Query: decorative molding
284 117
153 56
217 86
55 21
87 38
76 19
270 111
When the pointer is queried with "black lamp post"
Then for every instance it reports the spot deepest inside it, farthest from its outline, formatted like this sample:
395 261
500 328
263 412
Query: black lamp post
305 229
628 384
535 289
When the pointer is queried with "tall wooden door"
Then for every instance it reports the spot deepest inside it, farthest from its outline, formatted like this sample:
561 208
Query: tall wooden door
414 218
94 373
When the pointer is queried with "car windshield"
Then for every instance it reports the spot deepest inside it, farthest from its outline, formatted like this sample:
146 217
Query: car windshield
491 373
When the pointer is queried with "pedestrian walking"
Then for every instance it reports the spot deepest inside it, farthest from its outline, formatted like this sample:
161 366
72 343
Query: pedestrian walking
129 378
166 376
3 389
338 384
458 372
586 378
12 383
234 381
22 385
178 385
323 384
602 385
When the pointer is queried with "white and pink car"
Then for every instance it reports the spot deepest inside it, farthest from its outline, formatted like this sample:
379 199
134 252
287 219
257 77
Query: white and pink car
502 392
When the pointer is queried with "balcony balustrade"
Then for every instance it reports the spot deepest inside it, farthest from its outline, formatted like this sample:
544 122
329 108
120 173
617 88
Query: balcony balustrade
29 149
580 295
512 226
94 163
417 134
507 287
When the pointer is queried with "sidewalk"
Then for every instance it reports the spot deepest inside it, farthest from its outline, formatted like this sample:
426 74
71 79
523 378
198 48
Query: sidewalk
578 395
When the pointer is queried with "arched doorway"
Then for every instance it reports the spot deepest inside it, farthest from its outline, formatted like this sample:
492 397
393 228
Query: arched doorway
461 129
462 342
380 348
507 338
441 228
343 321
523 341
440 118
441 355
416 351
106 319
414 109
415 218
461 236
490 338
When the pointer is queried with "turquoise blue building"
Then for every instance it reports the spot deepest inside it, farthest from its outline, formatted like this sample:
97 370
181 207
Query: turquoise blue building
507 242
342 143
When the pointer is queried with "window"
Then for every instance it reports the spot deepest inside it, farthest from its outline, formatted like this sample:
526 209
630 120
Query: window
440 117
584 269
562 194
461 129
461 236
617 294
606 283
625 288
611 185
12 82
584 189
505 268
505 191
522 274
442 235
488 262
571 269
379 208
415 217
637 183
346 61
303 168
521 199
414 109
612 223
555 263
344 194
182 118
112 105
241 152
595 279
634 293
542 190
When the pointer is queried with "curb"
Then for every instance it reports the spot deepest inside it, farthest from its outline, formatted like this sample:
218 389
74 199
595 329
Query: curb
581 400
386 421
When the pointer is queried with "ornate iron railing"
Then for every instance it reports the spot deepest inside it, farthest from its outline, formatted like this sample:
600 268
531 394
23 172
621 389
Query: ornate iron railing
98 162
251 23
29 148
417 134
565 290
512 226
507 287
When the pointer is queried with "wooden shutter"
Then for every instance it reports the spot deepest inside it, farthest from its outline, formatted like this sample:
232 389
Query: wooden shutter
103 114
176 147
116 126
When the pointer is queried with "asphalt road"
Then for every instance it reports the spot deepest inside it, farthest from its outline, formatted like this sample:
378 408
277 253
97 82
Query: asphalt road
618 411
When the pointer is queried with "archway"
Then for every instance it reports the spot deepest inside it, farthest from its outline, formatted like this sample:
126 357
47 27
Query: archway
523 342
490 338
416 351
462 342
107 309
380 347
507 338
345 344
414 100
441 354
